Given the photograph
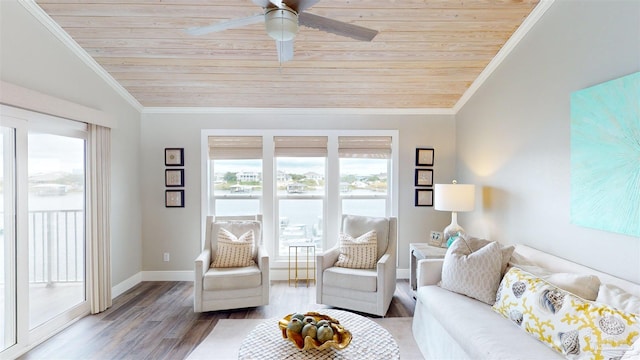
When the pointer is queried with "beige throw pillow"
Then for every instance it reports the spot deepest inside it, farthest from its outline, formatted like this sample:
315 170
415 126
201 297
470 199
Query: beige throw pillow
507 251
476 274
233 251
358 253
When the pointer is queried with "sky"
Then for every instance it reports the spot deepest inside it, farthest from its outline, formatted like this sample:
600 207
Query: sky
52 153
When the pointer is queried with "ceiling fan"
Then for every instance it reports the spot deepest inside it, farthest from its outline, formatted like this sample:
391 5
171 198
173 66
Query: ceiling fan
281 18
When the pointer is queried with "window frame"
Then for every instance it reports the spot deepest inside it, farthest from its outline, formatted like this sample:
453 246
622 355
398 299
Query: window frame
332 196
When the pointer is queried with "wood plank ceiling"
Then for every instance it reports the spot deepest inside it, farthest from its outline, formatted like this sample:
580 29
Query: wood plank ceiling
426 54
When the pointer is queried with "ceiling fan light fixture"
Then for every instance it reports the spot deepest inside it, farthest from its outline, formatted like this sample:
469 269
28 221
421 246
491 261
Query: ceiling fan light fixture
281 23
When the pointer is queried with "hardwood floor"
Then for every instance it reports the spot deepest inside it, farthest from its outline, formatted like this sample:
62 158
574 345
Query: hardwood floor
155 320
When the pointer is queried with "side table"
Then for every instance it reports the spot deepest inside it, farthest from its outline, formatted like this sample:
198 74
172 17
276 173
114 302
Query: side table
419 251
309 249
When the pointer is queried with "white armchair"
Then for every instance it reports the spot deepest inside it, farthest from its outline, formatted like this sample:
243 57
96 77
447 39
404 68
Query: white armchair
365 290
221 288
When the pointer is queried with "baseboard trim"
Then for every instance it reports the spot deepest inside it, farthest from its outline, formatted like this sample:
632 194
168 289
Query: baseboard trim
122 287
276 274
185 275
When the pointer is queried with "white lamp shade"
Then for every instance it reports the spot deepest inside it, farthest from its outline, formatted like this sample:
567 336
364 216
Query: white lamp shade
454 197
281 24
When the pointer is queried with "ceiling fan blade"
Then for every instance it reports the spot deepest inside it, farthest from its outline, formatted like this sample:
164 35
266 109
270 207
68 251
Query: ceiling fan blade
336 27
231 24
277 3
301 5
285 50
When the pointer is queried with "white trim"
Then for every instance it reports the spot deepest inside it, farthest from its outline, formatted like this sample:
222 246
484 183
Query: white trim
402 274
34 101
298 111
180 275
123 286
72 45
511 44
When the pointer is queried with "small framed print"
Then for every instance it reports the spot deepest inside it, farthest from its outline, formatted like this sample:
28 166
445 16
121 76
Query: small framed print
174 156
174 198
424 197
424 156
424 177
174 177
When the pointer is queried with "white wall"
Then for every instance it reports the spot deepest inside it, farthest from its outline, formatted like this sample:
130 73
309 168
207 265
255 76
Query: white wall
513 136
177 230
33 58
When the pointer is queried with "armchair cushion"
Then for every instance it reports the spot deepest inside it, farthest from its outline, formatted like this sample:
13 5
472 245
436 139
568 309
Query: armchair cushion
234 251
358 253
232 278
355 279
358 225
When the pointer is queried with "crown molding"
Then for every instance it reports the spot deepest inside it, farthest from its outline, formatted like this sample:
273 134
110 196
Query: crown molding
297 111
62 35
502 54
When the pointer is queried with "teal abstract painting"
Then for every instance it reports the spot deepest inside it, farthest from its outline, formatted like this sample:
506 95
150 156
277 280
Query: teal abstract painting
605 156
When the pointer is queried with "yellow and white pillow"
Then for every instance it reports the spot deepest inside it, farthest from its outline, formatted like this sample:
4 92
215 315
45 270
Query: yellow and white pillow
358 253
576 328
233 251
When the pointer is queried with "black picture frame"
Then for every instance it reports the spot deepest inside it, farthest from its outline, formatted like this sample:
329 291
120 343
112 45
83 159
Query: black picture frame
424 177
174 156
425 156
174 198
424 197
174 177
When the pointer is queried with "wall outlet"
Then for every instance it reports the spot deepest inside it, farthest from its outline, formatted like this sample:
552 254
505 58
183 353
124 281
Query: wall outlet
436 238
165 257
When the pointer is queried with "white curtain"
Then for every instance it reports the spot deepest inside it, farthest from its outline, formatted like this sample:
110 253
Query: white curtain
98 218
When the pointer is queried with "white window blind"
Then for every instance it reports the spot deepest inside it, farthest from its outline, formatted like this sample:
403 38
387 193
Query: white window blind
372 147
296 146
235 147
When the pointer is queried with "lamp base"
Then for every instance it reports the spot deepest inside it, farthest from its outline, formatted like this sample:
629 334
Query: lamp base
452 230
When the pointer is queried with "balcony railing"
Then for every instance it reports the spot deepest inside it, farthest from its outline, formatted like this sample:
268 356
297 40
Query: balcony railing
56 246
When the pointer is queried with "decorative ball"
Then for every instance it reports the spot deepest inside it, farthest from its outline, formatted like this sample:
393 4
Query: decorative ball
310 330
295 325
322 322
309 320
325 333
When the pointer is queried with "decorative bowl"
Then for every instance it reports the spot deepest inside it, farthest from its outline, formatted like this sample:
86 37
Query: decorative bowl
341 336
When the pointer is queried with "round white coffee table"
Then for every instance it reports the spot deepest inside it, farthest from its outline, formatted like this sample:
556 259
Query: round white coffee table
370 341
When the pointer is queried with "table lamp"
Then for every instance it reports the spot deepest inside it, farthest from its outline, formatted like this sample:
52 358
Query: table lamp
454 197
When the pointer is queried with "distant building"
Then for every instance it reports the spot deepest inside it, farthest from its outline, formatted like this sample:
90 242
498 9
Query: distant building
247 176
314 176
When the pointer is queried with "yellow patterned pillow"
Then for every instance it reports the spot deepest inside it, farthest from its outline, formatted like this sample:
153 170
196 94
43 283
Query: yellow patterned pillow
576 328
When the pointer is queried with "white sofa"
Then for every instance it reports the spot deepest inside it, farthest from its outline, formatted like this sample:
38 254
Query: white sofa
447 325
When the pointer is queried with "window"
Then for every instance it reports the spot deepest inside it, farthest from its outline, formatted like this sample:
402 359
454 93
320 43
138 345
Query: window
301 181
236 174
301 189
364 174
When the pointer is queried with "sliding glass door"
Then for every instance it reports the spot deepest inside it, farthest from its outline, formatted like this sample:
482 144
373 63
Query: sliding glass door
42 227
56 225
